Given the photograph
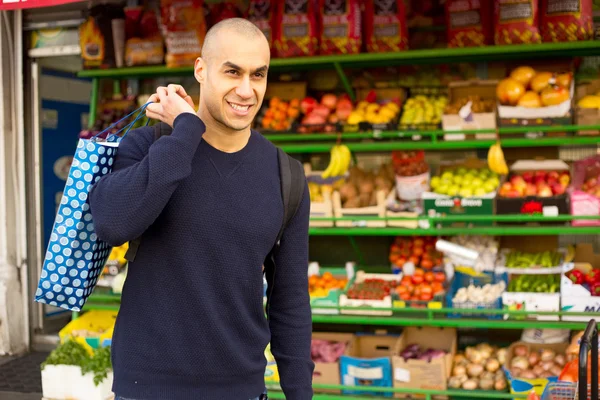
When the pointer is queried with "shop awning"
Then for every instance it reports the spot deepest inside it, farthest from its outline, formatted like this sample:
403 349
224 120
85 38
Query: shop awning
21 4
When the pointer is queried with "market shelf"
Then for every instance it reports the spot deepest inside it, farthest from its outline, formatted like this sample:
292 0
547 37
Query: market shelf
452 231
427 56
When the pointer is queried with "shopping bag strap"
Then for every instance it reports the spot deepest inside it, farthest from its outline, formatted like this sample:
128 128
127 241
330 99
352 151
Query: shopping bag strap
141 113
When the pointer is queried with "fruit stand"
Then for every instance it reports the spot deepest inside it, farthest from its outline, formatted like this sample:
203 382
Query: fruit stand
454 189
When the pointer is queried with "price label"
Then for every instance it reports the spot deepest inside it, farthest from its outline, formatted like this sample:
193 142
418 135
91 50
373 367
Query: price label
377 133
359 224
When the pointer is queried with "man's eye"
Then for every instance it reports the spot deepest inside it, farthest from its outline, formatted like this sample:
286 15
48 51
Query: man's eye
259 75
232 71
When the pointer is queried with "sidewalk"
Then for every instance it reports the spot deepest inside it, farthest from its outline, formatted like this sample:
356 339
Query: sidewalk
20 377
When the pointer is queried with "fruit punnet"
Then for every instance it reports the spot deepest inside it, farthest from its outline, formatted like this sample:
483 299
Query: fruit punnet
465 182
526 87
536 183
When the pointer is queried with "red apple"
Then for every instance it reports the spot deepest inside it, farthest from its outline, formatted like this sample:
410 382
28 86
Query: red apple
329 100
591 182
539 181
528 176
540 174
513 193
517 180
558 189
553 175
321 110
545 191
531 190
308 104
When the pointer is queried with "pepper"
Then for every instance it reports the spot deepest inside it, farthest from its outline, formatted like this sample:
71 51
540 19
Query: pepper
593 276
595 289
576 276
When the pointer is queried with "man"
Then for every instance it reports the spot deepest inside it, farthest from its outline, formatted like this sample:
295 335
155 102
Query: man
207 202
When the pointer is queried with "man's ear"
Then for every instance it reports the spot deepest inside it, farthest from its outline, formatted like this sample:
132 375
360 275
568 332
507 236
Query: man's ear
200 70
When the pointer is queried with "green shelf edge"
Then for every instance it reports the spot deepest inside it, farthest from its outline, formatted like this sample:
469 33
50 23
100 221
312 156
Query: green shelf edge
436 56
451 231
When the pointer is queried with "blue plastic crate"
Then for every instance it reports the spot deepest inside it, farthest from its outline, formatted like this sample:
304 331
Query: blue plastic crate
463 280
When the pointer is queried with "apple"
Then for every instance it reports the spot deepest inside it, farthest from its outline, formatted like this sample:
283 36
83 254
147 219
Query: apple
530 190
540 174
597 194
480 191
528 176
558 189
513 193
308 104
465 192
453 190
544 191
517 180
591 182
539 181
564 179
489 187
553 174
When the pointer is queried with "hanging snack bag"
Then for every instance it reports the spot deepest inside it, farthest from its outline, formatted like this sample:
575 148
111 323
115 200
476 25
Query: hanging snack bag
469 23
102 37
340 27
144 45
516 22
296 29
184 29
567 20
261 13
386 29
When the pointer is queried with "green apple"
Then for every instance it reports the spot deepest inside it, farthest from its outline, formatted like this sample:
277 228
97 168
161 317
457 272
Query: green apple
493 181
489 187
442 188
465 192
473 171
476 182
480 191
453 190
447 175
457 179
461 171
435 182
467 179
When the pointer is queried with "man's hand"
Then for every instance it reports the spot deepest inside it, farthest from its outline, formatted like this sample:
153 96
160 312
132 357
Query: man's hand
168 103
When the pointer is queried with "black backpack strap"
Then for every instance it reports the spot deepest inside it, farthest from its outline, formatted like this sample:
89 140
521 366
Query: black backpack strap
160 129
292 178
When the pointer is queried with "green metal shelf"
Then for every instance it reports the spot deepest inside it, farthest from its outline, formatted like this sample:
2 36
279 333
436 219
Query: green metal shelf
452 231
427 56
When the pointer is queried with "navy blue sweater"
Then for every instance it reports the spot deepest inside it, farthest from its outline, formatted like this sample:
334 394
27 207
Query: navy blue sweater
191 323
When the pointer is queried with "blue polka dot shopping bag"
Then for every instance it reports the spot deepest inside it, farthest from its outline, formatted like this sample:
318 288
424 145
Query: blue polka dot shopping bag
75 256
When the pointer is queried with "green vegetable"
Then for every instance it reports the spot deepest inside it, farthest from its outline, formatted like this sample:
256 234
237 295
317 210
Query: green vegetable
73 353
546 259
534 283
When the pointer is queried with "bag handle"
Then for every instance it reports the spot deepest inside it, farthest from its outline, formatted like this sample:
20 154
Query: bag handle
128 126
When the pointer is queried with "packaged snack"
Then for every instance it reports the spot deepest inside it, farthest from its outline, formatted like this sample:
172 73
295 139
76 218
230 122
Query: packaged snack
386 28
469 23
144 44
516 22
102 37
224 10
184 29
567 20
296 29
340 27
261 13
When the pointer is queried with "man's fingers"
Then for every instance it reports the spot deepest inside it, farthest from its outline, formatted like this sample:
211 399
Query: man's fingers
162 93
154 108
153 98
188 99
178 89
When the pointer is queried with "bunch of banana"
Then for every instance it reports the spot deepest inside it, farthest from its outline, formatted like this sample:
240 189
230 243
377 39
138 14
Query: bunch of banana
496 160
339 162
118 254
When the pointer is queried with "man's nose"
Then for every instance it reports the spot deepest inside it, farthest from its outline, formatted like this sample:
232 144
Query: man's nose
244 90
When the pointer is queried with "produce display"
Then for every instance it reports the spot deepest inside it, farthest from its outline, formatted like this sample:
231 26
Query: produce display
111 115
326 351
409 163
478 105
534 283
421 110
536 183
528 363
486 246
361 187
526 87
485 294
496 161
421 286
465 182
416 352
418 250
372 289
479 367
322 116
544 259
590 280
279 115
339 162
374 113
319 286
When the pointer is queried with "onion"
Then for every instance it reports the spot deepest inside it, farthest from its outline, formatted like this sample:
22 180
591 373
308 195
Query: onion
459 370
548 355
486 384
471 384
560 360
487 375
500 384
515 372
533 359
528 374
538 370
454 382
519 362
492 365
556 370
475 357
501 356
460 359
546 374
521 350
474 370
547 365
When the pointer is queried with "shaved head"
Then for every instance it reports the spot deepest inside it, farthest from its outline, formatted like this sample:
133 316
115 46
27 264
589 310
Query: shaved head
225 30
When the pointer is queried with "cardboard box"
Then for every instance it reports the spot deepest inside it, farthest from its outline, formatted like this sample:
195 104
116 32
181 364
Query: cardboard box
324 208
286 90
369 364
486 90
523 386
360 277
329 373
533 302
548 206
436 204
332 297
587 116
372 211
422 374
574 297
583 203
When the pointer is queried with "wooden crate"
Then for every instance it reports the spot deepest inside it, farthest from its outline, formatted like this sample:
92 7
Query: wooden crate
372 211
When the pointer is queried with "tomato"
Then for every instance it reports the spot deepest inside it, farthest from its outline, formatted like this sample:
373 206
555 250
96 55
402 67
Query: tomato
418 251
437 287
405 296
401 289
417 279
400 261
418 242
425 297
394 257
425 288
429 247
417 291
439 277
426 264
410 288
415 298
429 276
419 271
414 259
406 280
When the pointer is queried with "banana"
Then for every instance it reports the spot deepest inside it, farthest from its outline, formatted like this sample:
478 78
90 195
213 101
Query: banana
333 166
496 160
346 159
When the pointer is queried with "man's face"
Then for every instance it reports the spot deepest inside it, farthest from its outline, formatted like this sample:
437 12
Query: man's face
234 80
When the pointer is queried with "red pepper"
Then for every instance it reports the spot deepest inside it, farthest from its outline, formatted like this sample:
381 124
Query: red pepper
595 289
593 276
576 276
